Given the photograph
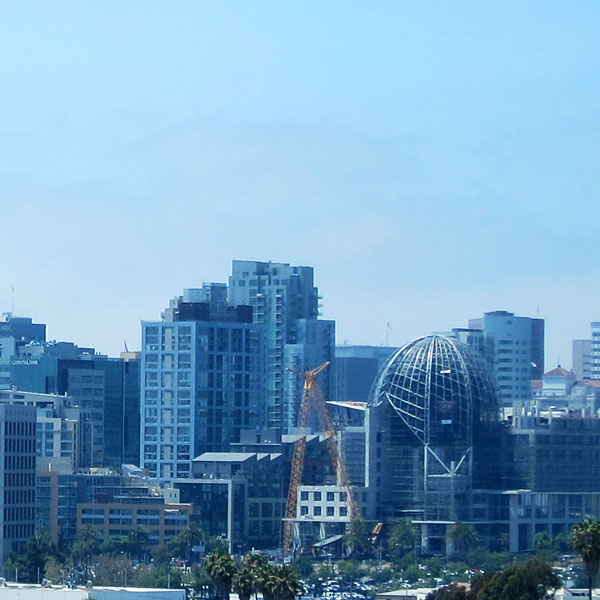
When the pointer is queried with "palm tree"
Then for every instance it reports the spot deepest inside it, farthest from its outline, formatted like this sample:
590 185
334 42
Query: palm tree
402 538
585 538
257 565
137 541
243 583
462 536
86 546
280 582
182 544
221 569
357 537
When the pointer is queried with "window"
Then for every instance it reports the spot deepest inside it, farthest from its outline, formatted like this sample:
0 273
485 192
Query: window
185 338
317 511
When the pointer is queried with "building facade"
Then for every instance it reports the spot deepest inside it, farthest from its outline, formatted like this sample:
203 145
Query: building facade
14 333
582 359
106 390
355 370
17 476
202 380
514 348
285 302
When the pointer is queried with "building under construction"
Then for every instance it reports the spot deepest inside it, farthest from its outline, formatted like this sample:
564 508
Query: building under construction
317 515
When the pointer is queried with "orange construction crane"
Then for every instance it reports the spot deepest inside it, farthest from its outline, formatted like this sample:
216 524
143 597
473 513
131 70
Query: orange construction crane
312 394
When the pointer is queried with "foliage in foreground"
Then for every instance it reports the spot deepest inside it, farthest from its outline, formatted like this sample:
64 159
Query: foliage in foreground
533 580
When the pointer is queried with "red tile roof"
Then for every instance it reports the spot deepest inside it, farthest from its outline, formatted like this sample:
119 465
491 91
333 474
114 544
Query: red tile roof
558 372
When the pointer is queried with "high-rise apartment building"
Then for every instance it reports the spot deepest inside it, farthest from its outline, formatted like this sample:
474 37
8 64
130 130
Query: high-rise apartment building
285 301
202 380
582 359
17 477
514 348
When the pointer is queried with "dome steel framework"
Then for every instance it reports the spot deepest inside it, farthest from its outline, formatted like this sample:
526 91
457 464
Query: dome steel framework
439 389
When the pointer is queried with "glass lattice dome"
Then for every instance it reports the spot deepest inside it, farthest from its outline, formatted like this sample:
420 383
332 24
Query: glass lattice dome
439 388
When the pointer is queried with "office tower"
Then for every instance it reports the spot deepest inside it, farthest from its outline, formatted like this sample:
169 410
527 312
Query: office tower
17 480
58 428
314 346
202 380
355 370
106 390
285 301
582 359
514 348
15 332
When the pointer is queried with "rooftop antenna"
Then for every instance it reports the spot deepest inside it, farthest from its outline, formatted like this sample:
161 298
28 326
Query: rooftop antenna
125 344
12 302
387 333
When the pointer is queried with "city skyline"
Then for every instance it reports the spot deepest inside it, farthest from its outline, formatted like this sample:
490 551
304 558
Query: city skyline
390 335
432 162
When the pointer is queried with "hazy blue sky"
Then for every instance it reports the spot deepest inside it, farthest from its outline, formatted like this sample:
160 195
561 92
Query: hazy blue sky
432 160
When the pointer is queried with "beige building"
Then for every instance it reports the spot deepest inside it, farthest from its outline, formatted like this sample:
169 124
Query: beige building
162 521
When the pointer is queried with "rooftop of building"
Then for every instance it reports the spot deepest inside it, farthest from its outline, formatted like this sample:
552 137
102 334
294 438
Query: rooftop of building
559 372
234 456
354 404
33 592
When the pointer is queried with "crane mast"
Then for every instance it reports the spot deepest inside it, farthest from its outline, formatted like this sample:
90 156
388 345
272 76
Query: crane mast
311 394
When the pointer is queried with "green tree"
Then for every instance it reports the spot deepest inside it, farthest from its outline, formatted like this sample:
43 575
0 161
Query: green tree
38 550
86 546
113 570
303 566
402 539
542 541
357 537
585 539
54 570
463 537
413 572
280 582
151 576
450 592
220 568
533 580
161 555
477 584
137 541
258 566
561 543
349 570
181 545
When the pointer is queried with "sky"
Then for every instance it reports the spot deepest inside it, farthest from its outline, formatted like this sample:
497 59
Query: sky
432 160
